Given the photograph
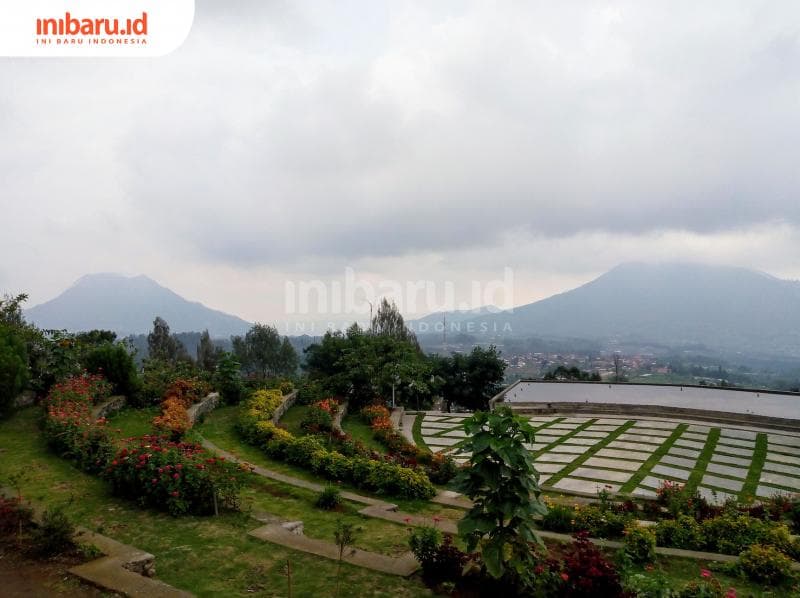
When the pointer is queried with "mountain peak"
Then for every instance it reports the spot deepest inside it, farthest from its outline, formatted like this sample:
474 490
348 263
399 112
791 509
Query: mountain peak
128 305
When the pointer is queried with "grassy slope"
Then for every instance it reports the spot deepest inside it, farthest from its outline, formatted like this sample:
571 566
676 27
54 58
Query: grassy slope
214 556
207 556
359 430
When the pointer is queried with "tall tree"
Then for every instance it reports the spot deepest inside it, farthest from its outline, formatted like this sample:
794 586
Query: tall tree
263 346
207 353
470 380
287 358
164 346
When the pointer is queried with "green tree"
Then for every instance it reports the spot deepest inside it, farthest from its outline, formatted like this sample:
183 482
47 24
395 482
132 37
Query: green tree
263 347
116 363
287 358
207 354
228 379
504 488
470 380
13 367
161 345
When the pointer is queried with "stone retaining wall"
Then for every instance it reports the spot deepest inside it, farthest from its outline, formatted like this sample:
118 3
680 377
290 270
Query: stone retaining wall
281 410
207 405
109 406
26 399
337 419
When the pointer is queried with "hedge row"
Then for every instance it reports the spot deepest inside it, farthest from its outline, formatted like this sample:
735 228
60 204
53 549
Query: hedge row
375 475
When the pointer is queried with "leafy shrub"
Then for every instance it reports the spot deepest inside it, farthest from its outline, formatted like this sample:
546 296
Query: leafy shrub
259 408
319 417
54 533
794 516
157 377
286 387
707 586
311 391
731 534
586 572
765 564
115 362
600 523
374 475
69 428
228 379
440 468
678 501
14 516
329 498
174 419
88 388
652 585
449 561
559 518
256 427
682 532
424 543
177 477
640 544
13 367
179 396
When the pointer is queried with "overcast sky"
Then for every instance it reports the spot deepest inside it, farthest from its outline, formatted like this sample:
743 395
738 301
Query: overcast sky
289 140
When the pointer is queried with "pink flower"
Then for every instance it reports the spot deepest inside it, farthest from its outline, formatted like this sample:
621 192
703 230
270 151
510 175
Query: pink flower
175 493
175 476
407 519
564 576
705 573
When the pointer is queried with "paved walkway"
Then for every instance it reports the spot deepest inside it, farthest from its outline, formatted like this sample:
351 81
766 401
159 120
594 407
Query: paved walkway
403 566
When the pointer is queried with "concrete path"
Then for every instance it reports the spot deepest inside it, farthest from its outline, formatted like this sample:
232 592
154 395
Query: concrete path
403 566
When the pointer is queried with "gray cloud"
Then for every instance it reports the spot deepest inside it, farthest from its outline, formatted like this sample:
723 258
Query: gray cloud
285 134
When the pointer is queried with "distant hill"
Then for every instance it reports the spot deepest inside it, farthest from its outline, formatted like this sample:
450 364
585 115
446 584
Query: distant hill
128 305
733 309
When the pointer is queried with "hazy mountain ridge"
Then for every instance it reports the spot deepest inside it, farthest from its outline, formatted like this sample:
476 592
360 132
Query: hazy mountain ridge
674 304
128 305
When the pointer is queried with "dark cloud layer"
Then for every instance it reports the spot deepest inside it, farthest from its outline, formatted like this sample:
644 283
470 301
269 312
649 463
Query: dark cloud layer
285 133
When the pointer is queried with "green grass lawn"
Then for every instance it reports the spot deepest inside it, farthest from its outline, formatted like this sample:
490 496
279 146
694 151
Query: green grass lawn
292 418
360 430
214 556
206 555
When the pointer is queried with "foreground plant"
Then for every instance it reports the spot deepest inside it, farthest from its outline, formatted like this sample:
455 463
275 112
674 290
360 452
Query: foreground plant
345 536
504 487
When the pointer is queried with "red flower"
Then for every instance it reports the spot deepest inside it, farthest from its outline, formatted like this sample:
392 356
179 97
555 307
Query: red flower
564 576
175 493
705 573
175 476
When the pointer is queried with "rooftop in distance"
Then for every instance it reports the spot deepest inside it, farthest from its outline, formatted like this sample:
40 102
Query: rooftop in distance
754 402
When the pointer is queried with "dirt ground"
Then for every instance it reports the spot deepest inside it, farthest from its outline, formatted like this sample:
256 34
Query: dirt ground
24 577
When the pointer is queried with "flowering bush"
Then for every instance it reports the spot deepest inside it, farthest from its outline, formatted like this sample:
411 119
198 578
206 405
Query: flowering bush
681 532
178 477
174 418
559 518
69 428
707 586
179 396
258 409
586 572
440 468
319 417
765 564
90 388
640 544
